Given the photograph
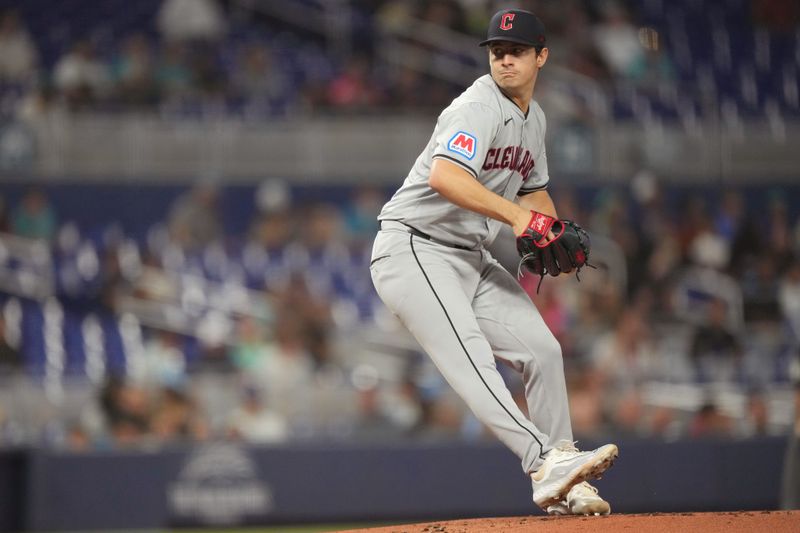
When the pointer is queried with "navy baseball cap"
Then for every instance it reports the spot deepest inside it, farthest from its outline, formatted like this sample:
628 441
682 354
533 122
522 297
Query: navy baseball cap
516 26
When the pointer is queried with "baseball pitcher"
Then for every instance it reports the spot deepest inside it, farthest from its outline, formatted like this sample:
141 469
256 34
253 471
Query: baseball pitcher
485 165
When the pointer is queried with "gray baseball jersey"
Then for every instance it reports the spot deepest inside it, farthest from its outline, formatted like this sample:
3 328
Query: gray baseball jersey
487 135
431 269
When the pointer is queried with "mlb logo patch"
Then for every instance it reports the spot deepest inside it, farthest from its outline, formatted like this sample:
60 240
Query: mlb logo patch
463 143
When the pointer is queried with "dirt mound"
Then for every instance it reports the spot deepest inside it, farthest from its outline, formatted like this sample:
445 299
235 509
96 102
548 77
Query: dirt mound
743 521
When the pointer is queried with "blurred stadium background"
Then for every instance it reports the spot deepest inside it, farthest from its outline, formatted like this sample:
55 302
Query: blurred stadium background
188 192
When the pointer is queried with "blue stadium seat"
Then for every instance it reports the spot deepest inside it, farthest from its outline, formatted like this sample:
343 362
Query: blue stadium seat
32 337
75 364
115 348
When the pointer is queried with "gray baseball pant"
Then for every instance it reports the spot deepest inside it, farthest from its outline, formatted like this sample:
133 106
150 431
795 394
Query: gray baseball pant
466 310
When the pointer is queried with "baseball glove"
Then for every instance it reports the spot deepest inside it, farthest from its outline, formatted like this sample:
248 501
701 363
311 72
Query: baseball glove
534 237
568 251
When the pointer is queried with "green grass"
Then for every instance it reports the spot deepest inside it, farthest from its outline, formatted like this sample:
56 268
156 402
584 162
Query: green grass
317 528
285 529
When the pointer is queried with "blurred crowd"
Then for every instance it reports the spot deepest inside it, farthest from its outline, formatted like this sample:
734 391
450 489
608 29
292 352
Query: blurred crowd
709 300
268 329
207 56
201 56
688 327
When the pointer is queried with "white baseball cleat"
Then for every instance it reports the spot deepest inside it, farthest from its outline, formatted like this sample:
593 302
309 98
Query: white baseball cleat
582 499
564 467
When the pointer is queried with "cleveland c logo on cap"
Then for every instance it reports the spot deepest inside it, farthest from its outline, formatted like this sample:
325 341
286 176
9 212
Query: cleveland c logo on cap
517 26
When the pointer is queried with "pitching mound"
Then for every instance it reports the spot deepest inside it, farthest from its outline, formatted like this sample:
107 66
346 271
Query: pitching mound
745 521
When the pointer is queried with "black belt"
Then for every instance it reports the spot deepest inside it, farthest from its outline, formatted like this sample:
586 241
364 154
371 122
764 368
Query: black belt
418 233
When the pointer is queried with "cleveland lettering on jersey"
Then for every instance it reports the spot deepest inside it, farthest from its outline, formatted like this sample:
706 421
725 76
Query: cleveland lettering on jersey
509 157
505 160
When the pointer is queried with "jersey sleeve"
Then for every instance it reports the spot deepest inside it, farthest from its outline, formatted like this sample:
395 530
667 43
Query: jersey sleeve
464 134
539 178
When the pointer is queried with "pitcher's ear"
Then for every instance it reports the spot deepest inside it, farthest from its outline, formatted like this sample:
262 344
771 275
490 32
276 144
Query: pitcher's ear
541 57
